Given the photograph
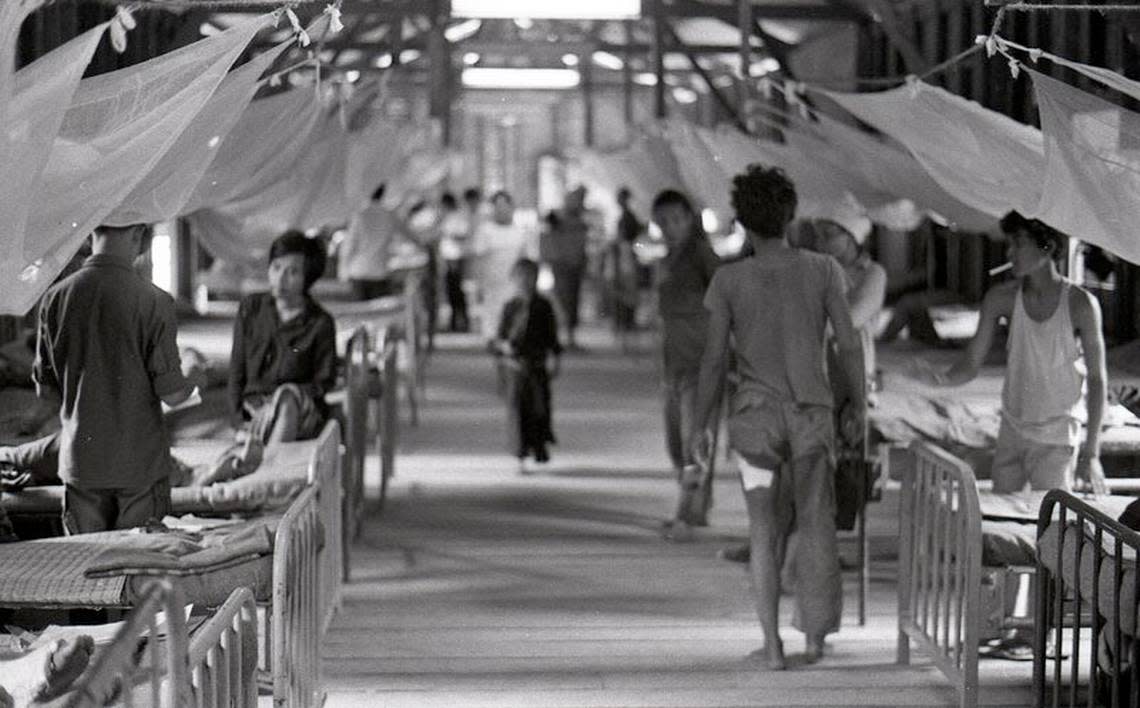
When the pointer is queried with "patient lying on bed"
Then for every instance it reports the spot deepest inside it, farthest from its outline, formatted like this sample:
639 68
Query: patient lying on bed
44 673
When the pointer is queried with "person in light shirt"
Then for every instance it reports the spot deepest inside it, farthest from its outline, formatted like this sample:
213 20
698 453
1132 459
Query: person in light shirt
497 244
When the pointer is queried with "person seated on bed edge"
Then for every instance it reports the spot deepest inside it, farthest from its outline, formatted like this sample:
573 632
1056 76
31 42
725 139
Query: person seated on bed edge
283 360
106 347
1055 344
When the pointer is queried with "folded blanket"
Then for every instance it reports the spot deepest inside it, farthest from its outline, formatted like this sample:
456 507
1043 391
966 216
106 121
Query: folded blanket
178 553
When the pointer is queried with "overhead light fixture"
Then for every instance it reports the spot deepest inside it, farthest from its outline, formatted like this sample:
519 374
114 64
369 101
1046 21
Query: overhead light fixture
383 61
684 95
463 30
505 78
645 78
524 23
471 58
548 9
570 59
608 61
409 55
767 65
352 76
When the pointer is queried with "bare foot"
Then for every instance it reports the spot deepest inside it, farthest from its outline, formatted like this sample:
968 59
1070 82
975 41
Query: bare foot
814 649
66 662
771 656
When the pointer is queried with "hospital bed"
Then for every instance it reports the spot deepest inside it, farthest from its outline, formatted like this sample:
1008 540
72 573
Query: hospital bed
212 667
960 548
1089 579
297 580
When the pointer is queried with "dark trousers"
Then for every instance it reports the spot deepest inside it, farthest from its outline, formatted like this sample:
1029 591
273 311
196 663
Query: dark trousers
92 510
568 290
456 298
528 405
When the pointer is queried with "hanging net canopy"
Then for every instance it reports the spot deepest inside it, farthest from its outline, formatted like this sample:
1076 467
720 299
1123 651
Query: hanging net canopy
180 135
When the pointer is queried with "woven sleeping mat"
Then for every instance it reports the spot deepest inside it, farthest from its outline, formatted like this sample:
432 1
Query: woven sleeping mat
47 575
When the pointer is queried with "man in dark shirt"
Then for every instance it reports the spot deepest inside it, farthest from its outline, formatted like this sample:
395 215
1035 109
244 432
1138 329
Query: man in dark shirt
106 346
283 360
684 276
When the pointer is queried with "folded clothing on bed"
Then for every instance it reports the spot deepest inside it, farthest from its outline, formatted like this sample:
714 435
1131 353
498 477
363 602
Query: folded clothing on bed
177 553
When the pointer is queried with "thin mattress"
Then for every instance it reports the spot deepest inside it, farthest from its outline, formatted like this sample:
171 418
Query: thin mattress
56 573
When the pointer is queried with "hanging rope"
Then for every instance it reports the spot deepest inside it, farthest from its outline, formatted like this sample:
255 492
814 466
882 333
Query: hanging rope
1036 7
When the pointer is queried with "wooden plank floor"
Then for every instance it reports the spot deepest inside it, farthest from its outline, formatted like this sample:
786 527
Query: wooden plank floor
481 587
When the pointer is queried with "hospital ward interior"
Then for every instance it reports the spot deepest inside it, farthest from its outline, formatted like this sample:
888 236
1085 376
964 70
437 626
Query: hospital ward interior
569 353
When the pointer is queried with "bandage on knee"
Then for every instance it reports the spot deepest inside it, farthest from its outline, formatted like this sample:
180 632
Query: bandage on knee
753 476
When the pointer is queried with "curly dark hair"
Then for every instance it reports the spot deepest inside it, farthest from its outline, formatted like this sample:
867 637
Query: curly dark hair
1045 236
764 199
310 248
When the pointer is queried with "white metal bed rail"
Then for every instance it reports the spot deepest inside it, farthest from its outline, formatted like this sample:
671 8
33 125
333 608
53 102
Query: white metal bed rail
1113 674
296 622
940 567
388 426
223 655
326 475
355 437
160 673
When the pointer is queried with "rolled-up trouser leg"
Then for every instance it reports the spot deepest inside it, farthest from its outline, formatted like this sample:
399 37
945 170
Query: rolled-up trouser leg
819 587
768 522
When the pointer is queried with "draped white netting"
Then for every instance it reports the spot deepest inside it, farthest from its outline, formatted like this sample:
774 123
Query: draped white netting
114 133
1091 185
42 92
984 159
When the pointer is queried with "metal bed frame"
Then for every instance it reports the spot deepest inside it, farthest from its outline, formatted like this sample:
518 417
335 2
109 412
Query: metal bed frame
1061 603
216 668
223 655
356 411
307 564
388 412
118 667
940 565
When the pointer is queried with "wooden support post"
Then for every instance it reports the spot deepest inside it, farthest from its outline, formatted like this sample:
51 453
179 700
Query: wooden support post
659 59
586 68
627 74
439 56
744 23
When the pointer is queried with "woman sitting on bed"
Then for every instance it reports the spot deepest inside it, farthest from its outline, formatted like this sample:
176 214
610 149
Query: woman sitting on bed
284 356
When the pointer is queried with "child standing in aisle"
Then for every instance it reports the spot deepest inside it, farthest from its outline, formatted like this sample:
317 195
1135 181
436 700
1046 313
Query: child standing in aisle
527 337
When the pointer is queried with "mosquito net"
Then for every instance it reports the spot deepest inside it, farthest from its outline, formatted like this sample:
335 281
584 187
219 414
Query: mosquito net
113 135
984 159
42 92
166 189
1092 173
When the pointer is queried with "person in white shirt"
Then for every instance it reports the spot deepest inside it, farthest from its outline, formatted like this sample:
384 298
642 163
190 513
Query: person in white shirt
366 249
497 245
1056 368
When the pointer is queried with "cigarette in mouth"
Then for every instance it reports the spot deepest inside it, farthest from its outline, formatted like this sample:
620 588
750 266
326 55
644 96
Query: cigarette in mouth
1000 269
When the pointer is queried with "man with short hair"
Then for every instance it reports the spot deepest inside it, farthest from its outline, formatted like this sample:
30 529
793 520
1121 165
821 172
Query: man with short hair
106 346
776 305
1056 354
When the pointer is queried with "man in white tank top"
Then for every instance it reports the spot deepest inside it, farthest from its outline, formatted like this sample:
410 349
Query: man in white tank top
1056 358
1056 352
